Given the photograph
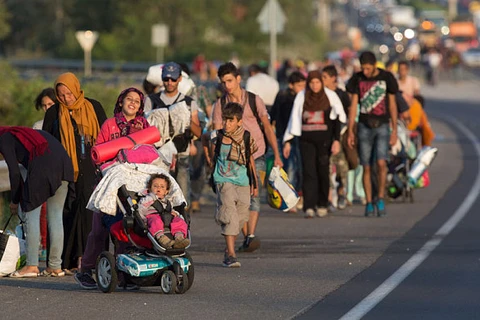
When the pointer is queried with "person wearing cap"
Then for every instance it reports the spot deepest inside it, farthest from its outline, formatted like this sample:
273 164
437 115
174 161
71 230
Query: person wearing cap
171 78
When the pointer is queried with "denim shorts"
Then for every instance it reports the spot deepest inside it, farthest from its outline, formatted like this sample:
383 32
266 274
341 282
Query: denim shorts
261 172
373 143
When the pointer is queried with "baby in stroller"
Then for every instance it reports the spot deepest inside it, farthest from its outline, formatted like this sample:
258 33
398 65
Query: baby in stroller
153 260
158 212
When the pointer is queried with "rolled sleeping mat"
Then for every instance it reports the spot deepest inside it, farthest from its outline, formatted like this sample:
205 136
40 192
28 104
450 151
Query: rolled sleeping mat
108 150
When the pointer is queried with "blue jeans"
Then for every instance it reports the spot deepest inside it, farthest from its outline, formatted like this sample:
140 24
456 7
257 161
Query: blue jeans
373 143
197 172
55 229
182 175
292 165
261 172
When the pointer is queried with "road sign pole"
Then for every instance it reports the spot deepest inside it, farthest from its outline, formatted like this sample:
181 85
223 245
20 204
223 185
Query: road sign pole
88 63
272 17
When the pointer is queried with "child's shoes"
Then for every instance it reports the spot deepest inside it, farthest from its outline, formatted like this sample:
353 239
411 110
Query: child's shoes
180 242
165 241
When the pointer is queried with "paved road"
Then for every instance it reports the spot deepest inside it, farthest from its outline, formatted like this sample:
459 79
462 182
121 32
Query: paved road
445 285
317 269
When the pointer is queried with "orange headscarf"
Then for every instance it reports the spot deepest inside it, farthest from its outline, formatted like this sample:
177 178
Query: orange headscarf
82 112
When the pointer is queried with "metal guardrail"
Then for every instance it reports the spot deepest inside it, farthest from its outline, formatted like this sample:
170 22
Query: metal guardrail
4 179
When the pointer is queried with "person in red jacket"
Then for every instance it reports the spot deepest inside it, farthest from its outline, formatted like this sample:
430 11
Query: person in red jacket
128 118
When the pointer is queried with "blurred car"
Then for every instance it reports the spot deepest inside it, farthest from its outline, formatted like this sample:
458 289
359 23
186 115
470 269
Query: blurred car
471 57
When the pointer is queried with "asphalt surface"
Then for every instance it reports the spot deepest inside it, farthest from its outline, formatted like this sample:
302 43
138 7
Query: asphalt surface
313 269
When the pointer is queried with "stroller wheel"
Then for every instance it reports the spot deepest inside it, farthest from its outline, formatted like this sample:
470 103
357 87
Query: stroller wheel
182 282
107 276
168 282
191 270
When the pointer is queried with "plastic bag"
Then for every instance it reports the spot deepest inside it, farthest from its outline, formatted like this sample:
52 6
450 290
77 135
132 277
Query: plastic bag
422 162
11 255
281 193
168 152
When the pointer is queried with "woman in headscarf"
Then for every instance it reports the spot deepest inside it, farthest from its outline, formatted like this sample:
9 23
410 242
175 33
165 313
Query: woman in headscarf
75 121
44 177
128 118
315 118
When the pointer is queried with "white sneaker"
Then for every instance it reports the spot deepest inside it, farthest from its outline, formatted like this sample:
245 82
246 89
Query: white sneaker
322 212
309 213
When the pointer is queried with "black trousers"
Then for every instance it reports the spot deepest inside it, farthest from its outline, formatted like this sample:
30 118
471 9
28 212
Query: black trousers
316 173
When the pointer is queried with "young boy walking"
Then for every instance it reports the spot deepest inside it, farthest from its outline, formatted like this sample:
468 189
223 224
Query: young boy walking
234 177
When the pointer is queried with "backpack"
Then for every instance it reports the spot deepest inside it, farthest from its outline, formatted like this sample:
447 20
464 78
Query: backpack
218 145
183 140
253 106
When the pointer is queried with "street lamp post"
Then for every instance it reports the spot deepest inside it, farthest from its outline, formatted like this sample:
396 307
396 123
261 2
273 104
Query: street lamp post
87 40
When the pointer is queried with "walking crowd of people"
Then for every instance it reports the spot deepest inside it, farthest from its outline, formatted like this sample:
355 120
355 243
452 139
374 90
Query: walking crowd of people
330 128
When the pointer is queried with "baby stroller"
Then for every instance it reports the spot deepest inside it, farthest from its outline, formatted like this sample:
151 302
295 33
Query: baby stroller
401 156
146 263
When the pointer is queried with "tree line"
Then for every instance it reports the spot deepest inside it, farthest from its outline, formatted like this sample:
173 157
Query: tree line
216 28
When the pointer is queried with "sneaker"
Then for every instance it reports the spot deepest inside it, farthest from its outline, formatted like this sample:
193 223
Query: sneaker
309 213
231 262
381 212
85 280
342 202
165 241
300 203
180 242
322 212
363 201
195 206
128 287
369 211
250 244
331 208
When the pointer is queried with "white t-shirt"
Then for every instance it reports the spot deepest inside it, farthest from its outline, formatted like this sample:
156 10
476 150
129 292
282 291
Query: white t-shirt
264 86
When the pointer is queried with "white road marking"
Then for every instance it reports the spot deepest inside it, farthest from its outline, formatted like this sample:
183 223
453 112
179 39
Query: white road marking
374 298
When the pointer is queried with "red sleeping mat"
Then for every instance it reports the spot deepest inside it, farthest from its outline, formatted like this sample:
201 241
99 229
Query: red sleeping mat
108 150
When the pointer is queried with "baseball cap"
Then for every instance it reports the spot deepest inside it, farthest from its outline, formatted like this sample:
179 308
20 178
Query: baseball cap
171 70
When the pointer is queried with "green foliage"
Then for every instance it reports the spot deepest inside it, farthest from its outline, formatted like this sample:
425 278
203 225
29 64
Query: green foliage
217 28
4 18
17 95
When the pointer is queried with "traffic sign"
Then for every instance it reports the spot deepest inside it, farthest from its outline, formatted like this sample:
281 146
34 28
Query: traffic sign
272 17
159 35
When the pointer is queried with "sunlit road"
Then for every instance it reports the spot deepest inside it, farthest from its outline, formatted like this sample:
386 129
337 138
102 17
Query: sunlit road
314 269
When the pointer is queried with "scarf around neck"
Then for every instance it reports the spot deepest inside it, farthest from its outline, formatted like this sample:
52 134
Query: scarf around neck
127 127
31 139
315 101
82 112
138 123
237 150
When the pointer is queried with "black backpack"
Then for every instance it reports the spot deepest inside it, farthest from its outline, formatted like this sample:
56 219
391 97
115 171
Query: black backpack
218 145
181 141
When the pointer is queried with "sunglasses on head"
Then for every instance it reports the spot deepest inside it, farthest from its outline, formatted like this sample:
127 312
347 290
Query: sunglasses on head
169 79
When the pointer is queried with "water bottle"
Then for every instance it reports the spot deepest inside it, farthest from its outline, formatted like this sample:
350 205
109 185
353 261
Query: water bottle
82 146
